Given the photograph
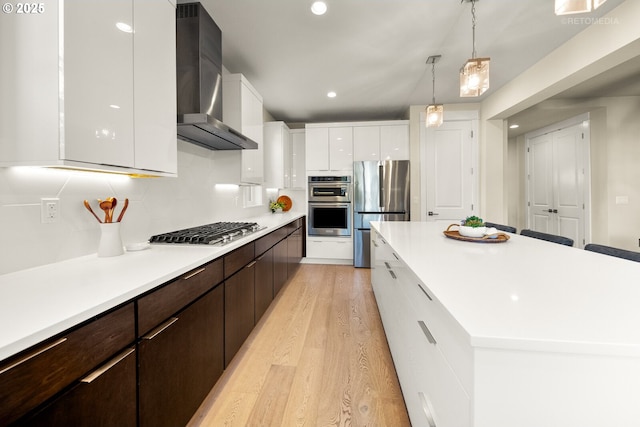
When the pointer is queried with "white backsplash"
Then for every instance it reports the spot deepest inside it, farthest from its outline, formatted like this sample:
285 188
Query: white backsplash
156 205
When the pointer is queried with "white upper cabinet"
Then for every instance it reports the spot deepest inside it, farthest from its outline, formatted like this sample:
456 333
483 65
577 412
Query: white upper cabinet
92 86
242 110
317 148
298 167
277 155
329 148
384 141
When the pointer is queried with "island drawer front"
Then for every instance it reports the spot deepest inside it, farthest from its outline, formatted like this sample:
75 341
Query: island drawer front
236 260
453 341
35 375
423 371
162 303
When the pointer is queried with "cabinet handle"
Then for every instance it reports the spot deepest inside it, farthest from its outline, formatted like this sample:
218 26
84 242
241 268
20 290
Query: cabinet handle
32 355
395 256
426 407
251 264
151 335
260 257
425 292
427 332
393 274
374 243
98 372
387 265
195 273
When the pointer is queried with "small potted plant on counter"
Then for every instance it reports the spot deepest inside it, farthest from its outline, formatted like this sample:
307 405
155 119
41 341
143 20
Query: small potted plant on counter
472 226
276 206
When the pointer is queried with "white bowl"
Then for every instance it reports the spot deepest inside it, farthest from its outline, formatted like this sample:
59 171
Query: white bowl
472 231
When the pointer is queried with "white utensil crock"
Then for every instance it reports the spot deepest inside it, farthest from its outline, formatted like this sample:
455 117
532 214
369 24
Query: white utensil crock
110 240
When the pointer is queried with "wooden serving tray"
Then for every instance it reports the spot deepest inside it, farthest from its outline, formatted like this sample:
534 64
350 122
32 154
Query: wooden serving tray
454 234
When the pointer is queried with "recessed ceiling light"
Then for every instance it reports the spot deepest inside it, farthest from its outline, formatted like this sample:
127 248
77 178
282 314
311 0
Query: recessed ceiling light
332 94
319 8
514 126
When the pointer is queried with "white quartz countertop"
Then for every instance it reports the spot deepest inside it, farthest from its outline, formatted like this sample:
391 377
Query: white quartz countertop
40 302
525 293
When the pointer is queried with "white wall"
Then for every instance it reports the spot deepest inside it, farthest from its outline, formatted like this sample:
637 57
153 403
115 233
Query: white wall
157 205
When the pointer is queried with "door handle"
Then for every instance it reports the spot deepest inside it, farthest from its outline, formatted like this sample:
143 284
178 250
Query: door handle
552 210
432 213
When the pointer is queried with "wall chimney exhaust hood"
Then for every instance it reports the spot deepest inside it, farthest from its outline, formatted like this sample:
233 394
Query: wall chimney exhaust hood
199 82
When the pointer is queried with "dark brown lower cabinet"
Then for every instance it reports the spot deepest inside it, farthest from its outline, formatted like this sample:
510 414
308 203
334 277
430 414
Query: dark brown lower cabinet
264 283
239 309
294 251
104 398
180 361
280 260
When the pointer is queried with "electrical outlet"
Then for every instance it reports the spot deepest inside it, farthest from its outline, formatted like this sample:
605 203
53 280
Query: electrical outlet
49 210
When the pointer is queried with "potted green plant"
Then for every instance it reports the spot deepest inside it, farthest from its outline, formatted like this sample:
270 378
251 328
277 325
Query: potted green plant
472 226
276 206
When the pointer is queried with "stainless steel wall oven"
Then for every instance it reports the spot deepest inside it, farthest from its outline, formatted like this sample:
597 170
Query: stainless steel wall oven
330 206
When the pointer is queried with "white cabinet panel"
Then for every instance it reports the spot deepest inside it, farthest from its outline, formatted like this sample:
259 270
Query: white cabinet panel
81 80
242 110
317 149
384 141
277 154
394 142
366 143
329 248
298 167
155 79
341 148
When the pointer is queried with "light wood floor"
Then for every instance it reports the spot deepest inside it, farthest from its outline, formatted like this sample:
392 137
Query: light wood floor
318 357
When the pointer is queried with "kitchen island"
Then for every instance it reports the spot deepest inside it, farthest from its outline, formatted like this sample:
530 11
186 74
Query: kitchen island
521 333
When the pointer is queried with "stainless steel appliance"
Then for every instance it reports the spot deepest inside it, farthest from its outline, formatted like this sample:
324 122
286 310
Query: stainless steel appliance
217 233
380 193
330 206
199 82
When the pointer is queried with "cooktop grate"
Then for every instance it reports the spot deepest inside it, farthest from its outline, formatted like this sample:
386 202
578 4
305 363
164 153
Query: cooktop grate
210 234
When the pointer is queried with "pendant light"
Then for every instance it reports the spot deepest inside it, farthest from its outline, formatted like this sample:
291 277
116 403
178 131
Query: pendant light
474 74
435 112
567 7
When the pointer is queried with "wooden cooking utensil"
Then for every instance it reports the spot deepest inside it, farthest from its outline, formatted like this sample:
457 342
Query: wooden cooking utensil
124 208
86 205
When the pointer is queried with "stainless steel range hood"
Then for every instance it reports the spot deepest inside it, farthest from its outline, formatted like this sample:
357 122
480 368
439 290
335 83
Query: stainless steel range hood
199 82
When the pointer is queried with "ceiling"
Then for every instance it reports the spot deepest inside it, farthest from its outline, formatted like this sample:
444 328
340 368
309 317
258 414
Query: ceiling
373 52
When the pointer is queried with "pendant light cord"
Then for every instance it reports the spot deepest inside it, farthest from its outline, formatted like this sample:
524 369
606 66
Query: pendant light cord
473 26
433 76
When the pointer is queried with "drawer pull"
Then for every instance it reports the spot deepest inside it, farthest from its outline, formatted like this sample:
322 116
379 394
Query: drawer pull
426 407
98 372
393 274
157 331
387 265
195 273
374 243
395 256
251 264
32 355
427 332
425 292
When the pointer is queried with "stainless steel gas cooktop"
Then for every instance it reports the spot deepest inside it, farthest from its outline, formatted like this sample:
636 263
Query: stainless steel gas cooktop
217 233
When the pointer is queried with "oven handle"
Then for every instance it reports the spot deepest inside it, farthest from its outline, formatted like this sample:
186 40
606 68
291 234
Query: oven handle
380 187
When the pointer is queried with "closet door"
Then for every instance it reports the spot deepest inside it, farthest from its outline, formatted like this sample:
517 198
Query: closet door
556 162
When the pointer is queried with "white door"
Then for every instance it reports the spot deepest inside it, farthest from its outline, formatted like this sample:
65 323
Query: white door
557 168
447 174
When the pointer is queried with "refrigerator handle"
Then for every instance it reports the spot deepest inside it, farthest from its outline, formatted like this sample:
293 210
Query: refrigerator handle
380 181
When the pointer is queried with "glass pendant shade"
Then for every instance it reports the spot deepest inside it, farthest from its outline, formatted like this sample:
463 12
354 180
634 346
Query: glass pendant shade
474 77
567 7
435 115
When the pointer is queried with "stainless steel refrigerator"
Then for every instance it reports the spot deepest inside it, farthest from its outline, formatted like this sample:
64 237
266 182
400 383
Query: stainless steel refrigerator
380 193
